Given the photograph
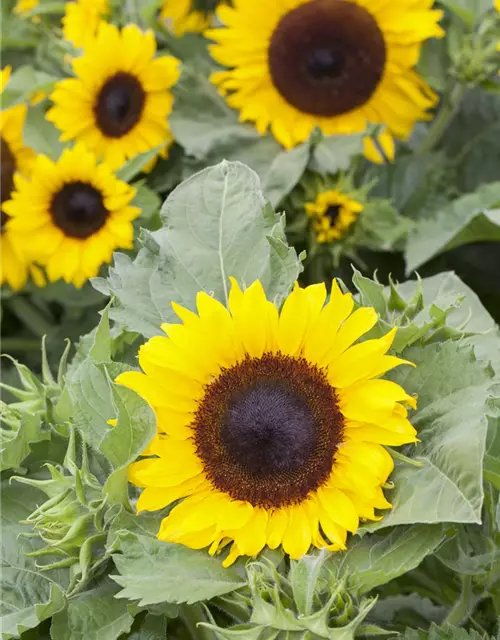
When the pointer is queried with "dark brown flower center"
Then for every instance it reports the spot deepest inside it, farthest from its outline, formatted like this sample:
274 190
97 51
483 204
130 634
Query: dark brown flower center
7 170
332 213
78 210
327 57
267 430
119 105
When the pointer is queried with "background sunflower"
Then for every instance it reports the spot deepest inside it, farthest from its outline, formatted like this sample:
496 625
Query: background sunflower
332 64
71 214
332 213
119 103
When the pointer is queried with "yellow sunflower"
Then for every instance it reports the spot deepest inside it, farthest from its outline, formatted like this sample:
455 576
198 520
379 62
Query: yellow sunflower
383 150
270 424
23 7
119 103
182 18
15 157
334 64
81 20
333 212
71 214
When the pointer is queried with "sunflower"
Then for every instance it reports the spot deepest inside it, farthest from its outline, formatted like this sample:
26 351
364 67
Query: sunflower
182 18
379 149
81 20
71 214
270 424
333 64
333 212
23 7
119 103
14 269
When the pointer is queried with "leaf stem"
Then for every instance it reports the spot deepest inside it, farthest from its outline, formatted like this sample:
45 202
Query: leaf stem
191 615
30 316
462 609
440 124
20 344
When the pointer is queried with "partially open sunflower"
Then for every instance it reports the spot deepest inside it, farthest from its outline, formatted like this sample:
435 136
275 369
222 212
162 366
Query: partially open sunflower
270 424
15 157
71 214
120 101
334 64
332 213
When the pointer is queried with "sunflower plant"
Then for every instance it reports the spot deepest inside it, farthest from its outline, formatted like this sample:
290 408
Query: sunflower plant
232 454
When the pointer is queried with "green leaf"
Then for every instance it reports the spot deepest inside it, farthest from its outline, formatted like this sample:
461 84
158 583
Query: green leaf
16 441
134 166
151 628
374 560
28 595
209 131
153 571
380 227
216 225
471 218
335 153
453 395
41 135
147 201
468 10
446 632
93 615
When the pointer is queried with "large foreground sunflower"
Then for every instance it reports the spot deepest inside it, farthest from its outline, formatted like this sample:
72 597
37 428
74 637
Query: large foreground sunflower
119 103
332 213
270 424
15 157
71 214
333 64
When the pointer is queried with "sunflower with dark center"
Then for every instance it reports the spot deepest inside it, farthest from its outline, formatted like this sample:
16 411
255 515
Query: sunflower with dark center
333 213
15 157
295 65
184 16
270 424
119 103
71 215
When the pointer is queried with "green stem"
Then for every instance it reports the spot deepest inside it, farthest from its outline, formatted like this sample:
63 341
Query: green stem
20 344
462 609
443 118
30 316
191 615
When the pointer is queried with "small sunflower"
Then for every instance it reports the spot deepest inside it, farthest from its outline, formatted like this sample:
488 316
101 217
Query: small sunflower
23 7
81 20
182 18
270 424
119 103
333 212
15 157
71 214
334 64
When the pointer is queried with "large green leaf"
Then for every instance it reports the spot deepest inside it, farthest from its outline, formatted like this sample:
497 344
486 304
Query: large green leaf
453 391
470 218
375 560
93 615
216 225
16 441
28 595
335 153
210 132
446 632
153 571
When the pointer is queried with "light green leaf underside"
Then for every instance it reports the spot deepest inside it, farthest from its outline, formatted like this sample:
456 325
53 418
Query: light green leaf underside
216 225
153 571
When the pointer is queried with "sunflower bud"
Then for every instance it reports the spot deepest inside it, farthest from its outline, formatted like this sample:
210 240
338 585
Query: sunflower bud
309 601
70 523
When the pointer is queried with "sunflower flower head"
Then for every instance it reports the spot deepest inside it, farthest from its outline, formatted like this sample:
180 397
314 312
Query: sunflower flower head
23 7
119 102
15 159
81 20
70 215
332 213
181 17
294 65
270 424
